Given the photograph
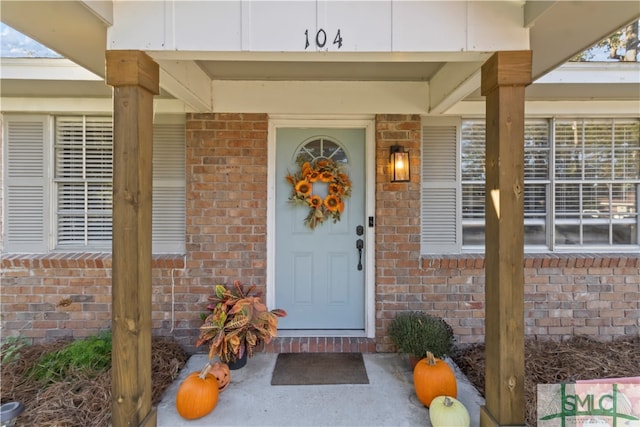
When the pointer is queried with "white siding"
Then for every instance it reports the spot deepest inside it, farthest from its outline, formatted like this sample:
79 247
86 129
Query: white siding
280 26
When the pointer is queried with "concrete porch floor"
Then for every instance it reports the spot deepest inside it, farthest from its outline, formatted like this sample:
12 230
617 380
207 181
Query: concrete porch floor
251 400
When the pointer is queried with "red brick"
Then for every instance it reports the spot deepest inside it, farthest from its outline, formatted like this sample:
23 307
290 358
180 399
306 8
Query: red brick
233 203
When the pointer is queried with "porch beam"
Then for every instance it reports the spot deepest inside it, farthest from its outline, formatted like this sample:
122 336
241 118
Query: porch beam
451 84
186 81
504 78
135 79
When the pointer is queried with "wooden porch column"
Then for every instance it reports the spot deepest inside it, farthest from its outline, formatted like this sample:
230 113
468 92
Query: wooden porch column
135 79
504 78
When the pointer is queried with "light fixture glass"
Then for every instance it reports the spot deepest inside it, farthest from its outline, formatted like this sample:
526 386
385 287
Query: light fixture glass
399 164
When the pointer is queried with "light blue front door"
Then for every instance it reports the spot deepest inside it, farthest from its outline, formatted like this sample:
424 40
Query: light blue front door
319 273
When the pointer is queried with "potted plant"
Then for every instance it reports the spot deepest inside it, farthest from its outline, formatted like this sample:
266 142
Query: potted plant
415 333
239 321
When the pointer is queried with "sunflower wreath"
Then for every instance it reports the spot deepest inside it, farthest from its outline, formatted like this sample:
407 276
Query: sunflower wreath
339 189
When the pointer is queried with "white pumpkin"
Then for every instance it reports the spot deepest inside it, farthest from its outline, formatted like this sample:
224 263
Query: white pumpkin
446 411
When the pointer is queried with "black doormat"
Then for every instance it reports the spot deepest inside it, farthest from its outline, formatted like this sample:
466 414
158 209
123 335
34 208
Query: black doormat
319 368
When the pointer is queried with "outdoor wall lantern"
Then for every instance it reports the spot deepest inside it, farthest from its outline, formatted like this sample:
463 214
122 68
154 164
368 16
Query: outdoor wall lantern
399 164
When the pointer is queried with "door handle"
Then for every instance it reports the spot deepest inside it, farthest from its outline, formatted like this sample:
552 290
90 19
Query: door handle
359 247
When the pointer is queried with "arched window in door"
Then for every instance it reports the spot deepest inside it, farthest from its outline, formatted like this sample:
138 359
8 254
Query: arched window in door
321 148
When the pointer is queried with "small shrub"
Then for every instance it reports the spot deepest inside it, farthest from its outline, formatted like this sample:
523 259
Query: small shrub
91 354
11 347
416 332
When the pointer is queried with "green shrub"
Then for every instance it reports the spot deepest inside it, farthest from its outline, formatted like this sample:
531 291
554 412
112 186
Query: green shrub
415 333
11 347
91 354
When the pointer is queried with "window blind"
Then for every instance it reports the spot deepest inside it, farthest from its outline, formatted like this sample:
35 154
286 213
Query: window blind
597 172
83 177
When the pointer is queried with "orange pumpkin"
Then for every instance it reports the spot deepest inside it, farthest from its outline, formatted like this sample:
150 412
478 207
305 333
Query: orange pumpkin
433 377
197 394
222 373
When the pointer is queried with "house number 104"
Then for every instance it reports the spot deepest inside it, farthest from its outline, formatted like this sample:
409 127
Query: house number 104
321 39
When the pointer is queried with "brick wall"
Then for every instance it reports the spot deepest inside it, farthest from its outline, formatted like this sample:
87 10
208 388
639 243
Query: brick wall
398 273
226 207
565 295
226 197
48 296
45 297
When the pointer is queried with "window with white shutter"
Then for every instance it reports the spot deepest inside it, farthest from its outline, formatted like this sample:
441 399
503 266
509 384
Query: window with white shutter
26 184
77 198
440 201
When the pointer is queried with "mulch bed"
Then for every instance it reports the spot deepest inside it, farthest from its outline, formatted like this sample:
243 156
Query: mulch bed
84 398
552 362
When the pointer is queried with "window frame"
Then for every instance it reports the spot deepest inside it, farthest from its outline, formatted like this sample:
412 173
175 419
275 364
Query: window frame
609 181
550 185
57 182
29 144
531 217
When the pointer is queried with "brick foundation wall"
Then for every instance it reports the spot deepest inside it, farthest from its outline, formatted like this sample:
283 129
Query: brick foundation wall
49 297
565 295
44 297
321 345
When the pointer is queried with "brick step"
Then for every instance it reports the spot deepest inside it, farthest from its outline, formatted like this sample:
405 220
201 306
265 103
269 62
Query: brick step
321 345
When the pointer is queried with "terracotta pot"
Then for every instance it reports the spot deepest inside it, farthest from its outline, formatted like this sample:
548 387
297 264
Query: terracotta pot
413 361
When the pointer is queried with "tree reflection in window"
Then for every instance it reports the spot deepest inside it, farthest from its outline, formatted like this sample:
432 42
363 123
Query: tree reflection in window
321 148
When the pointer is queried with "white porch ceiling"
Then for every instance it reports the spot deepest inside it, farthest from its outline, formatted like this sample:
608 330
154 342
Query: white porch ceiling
351 70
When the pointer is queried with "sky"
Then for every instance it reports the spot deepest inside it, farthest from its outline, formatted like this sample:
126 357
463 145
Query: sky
16 45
